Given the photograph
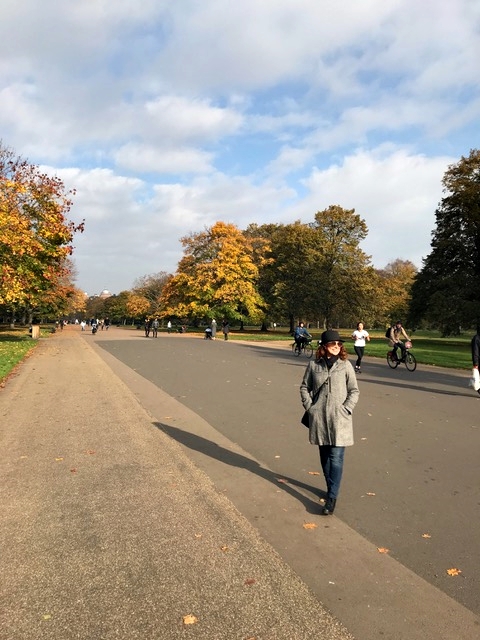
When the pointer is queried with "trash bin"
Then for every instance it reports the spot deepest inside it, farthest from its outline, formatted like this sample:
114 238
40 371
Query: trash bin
35 331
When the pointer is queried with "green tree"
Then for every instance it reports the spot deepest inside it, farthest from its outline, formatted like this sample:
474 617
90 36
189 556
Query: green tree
115 307
446 292
285 280
396 283
317 271
217 277
341 270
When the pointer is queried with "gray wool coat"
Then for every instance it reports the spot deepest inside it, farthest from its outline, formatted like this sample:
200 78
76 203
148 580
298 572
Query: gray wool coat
330 417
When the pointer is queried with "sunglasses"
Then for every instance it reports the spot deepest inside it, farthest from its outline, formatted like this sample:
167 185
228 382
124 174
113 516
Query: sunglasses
334 344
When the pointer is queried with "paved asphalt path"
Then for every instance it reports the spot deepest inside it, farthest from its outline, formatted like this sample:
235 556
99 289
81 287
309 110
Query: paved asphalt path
109 532
411 482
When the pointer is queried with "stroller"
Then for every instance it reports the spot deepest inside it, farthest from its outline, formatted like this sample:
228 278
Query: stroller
208 333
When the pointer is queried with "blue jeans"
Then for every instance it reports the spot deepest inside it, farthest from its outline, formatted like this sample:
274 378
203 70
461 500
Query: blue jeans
331 459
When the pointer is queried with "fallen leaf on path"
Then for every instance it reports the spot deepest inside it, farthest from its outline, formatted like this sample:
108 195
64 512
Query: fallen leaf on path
198 535
190 619
58 459
90 452
314 473
277 456
454 572
73 471
382 550
249 581
370 493
310 525
47 616
426 535
282 480
224 548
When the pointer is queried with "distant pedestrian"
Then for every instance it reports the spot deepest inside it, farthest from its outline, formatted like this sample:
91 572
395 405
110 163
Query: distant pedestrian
225 329
213 327
169 327
329 393
83 325
147 327
475 346
155 325
360 336
107 323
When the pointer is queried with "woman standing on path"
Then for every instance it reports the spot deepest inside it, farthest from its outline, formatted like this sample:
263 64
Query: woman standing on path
360 335
329 393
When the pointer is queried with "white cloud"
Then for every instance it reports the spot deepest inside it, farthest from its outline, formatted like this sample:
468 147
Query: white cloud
167 116
177 118
144 158
395 192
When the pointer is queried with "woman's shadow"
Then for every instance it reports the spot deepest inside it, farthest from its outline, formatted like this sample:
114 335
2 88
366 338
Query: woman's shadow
215 451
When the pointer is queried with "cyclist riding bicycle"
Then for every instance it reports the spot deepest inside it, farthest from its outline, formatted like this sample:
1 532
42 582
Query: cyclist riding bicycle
301 335
395 333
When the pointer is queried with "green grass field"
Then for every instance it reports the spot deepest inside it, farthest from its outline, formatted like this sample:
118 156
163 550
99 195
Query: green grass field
428 347
15 345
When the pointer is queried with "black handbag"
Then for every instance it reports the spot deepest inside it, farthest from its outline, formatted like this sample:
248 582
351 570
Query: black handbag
305 418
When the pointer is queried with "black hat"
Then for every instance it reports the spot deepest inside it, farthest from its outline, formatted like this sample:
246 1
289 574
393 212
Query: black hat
330 336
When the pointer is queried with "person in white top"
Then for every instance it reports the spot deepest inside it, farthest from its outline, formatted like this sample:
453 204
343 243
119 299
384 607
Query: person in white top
361 337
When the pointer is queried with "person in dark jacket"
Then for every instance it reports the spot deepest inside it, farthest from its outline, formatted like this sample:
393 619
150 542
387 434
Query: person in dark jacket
301 335
475 346
329 393
225 329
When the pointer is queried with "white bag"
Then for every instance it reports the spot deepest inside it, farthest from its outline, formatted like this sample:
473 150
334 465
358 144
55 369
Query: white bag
475 379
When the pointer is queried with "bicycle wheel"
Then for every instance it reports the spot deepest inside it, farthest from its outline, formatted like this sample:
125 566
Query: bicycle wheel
308 350
392 362
410 362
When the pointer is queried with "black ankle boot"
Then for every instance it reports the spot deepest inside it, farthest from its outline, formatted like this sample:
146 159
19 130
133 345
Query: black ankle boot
329 507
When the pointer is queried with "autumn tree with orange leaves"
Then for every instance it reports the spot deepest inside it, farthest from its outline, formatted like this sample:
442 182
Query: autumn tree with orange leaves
217 277
35 235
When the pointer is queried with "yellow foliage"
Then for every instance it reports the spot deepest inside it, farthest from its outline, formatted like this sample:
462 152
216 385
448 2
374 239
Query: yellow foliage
216 276
35 235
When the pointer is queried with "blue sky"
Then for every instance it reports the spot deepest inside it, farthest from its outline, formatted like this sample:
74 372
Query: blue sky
167 116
